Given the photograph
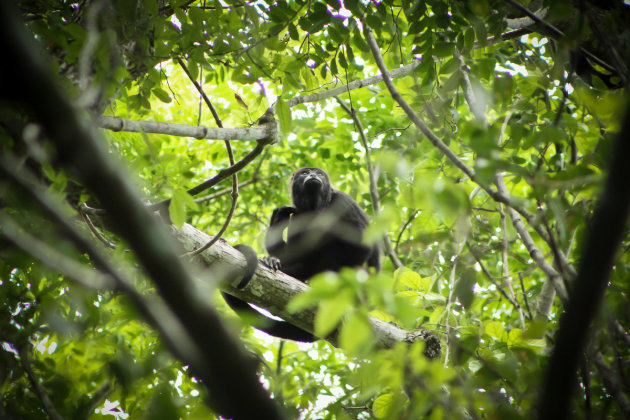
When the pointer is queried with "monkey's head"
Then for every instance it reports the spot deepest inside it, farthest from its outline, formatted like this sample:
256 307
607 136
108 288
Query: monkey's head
310 189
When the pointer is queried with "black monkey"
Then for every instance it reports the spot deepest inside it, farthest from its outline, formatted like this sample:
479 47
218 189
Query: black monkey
324 233
325 229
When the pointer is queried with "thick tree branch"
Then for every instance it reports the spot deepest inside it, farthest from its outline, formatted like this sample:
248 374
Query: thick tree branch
526 22
259 132
273 290
154 310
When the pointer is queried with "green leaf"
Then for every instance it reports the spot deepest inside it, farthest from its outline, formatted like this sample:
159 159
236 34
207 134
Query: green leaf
382 404
329 314
452 82
194 70
162 95
359 41
496 330
342 60
443 49
469 39
284 116
180 202
351 4
356 334
464 287
196 16
293 32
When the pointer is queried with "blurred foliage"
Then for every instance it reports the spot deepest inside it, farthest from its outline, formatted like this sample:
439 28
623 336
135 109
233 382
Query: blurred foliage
549 132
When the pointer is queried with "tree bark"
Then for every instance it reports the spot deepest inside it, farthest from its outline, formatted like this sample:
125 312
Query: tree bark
273 290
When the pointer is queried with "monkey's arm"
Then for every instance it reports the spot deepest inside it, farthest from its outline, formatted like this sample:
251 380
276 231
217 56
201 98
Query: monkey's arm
274 242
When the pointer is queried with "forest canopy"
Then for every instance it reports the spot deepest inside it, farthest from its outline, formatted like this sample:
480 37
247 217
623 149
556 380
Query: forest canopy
486 140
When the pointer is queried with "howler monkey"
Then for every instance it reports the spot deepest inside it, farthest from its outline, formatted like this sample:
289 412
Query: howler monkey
324 233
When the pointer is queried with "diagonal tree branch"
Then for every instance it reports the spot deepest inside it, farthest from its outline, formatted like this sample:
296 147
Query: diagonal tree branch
273 290
357 84
225 369
223 174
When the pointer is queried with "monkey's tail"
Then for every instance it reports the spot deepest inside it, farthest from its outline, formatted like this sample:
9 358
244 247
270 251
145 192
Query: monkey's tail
273 327
279 329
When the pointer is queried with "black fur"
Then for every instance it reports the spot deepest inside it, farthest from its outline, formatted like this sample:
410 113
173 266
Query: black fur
251 258
324 232
325 229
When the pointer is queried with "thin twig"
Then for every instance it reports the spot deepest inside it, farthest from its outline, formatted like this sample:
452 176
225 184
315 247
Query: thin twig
505 244
201 92
414 214
449 302
94 230
527 308
97 398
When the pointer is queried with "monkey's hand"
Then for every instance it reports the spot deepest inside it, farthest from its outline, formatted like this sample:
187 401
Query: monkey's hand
272 262
281 215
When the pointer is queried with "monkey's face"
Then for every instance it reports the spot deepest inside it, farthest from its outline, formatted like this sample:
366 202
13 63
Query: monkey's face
310 179
310 188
